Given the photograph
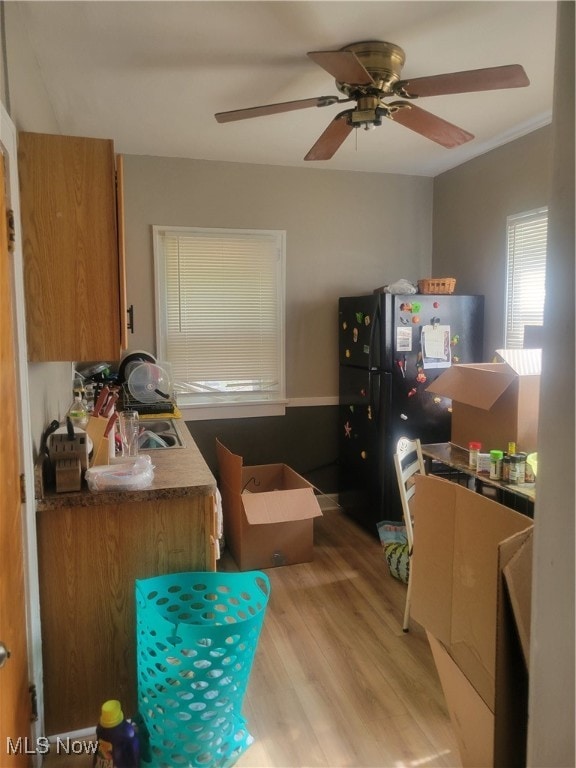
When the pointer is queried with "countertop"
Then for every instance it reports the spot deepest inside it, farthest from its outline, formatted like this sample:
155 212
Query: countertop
178 472
456 457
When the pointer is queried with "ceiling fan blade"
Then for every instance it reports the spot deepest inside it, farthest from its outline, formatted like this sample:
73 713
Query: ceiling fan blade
428 125
336 132
489 79
274 109
344 66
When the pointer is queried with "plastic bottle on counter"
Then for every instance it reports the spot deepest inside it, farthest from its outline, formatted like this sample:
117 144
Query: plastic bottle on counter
118 745
78 412
473 451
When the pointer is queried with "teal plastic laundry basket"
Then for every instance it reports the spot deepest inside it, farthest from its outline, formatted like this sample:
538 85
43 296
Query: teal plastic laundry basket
197 635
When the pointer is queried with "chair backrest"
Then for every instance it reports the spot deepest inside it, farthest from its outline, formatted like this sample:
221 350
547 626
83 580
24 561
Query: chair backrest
408 461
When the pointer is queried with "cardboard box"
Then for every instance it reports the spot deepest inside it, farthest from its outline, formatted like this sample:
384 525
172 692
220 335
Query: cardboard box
494 403
512 650
268 512
463 542
472 720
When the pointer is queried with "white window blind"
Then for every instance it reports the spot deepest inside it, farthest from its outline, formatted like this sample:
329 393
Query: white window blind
220 313
526 274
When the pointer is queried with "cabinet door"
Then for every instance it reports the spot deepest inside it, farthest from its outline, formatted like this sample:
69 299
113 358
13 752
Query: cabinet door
89 560
71 260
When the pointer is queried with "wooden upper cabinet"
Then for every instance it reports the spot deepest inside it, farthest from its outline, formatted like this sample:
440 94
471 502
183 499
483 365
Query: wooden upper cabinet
72 248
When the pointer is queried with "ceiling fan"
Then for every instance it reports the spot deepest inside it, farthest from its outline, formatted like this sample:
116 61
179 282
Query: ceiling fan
368 73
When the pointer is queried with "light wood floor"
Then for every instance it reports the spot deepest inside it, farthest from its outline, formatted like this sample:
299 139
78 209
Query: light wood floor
336 683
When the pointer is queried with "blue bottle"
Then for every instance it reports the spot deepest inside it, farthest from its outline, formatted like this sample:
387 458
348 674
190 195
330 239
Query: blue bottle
118 745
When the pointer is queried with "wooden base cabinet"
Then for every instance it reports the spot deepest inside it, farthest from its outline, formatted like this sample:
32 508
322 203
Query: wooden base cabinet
71 208
89 559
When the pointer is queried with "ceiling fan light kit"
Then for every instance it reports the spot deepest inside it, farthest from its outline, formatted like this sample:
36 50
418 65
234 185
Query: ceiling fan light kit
368 73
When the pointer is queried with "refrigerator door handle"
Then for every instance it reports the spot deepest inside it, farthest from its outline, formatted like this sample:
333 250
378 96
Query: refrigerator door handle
374 330
380 389
380 400
373 396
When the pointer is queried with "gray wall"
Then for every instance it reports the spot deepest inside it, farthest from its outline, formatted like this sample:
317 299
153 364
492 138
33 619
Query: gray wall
347 233
471 204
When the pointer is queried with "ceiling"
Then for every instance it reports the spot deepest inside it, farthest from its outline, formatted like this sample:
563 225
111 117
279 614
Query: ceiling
151 75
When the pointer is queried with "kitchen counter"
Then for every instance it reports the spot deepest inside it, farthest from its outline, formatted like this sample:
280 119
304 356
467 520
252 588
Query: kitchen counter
92 547
178 472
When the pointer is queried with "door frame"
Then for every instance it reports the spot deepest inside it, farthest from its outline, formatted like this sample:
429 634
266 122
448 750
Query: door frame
9 143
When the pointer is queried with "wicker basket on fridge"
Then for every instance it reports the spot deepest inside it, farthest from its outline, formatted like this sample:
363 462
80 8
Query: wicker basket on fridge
437 285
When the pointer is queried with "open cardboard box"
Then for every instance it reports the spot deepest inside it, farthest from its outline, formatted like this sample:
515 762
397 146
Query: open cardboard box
463 543
268 512
494 403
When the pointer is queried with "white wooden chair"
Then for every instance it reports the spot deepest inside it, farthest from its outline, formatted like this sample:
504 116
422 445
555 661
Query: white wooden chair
408 461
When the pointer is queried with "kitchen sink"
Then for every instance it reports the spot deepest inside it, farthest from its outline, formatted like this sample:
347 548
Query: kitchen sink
158 435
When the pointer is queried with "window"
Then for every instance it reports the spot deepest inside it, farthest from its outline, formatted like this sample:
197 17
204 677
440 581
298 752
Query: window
220 316
526 274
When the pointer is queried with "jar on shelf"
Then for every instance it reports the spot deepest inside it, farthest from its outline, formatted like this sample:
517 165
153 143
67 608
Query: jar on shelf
473 451
517 469
496 464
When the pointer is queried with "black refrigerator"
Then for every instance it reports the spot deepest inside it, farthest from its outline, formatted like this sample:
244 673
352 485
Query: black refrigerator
391 347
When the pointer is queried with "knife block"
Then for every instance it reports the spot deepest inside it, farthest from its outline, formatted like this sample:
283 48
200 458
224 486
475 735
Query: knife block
68 475
62 447
96 429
